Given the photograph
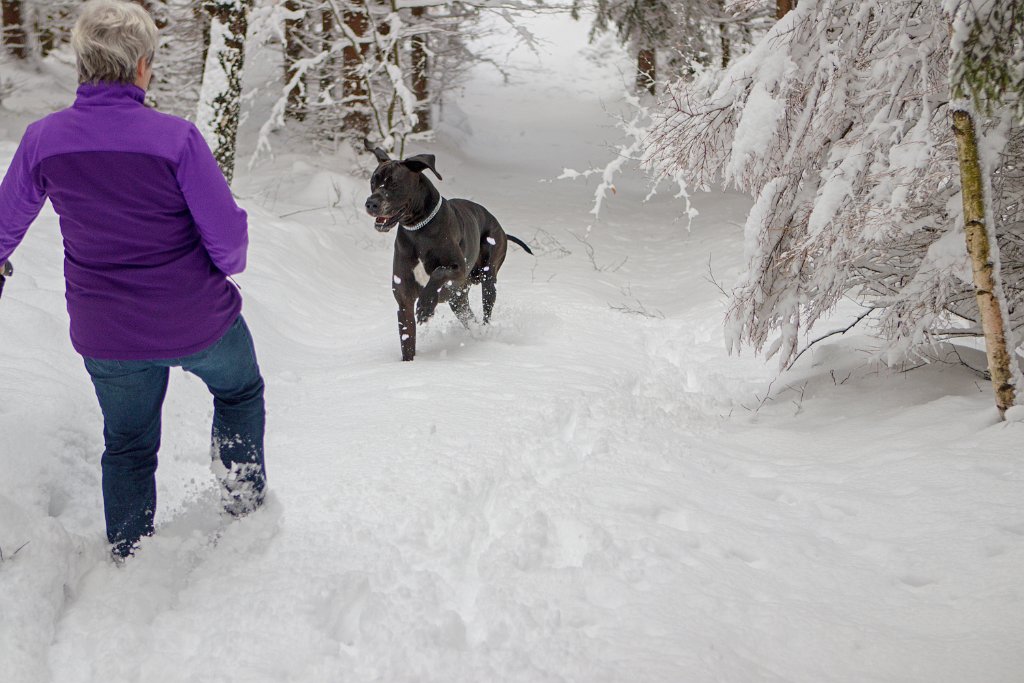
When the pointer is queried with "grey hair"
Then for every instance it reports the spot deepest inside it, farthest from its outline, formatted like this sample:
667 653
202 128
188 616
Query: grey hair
109 39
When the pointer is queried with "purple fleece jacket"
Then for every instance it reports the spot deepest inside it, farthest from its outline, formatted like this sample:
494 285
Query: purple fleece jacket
150 229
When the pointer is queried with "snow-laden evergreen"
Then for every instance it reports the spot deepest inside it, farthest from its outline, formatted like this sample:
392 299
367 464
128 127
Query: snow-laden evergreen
838 122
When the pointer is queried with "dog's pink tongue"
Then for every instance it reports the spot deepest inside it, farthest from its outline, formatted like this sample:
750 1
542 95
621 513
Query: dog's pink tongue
381 220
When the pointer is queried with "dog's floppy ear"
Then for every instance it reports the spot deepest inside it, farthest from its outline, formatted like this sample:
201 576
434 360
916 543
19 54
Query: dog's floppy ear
381 155
420 162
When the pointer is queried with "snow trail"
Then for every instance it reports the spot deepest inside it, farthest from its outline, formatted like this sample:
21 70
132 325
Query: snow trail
576 493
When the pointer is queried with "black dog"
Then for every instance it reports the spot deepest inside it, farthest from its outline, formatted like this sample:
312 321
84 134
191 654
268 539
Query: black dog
453 243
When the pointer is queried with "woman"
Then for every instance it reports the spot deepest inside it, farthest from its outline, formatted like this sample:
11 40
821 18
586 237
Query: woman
151 234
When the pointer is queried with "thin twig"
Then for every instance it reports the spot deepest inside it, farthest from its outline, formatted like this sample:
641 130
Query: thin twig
315 208
826 336
710 277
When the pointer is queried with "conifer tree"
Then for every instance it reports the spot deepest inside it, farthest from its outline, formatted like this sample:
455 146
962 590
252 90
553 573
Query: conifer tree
645 25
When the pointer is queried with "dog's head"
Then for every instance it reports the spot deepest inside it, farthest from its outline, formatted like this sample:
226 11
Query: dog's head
397 188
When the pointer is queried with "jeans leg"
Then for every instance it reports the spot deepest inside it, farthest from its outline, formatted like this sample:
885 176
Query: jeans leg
231 373
131 394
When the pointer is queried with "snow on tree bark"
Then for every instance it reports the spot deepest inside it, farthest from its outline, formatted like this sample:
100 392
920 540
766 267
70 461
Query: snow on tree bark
220 96
647 70
356 24
14 39
293 25
420 75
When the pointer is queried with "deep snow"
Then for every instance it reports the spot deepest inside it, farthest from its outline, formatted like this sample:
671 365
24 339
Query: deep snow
588 490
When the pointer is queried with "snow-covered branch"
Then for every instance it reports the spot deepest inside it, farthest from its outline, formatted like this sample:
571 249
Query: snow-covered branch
837 122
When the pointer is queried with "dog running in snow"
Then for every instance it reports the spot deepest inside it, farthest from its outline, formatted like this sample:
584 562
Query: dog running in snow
443 245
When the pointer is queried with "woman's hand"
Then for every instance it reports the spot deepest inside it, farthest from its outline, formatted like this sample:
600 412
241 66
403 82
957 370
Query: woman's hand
6 270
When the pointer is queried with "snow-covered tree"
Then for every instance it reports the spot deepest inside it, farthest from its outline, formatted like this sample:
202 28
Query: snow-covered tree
34 28
647 25
373 68
184 37
675 34
348 69
838 122
988 66
220 96
988 51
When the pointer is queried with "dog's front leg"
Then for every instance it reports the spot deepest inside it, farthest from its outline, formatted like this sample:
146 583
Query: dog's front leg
444 276
405 289
407 330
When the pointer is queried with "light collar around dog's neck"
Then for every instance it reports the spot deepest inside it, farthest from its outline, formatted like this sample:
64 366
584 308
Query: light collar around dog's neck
440 200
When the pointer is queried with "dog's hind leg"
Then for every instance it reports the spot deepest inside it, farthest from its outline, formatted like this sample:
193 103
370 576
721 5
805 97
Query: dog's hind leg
459 301
489 290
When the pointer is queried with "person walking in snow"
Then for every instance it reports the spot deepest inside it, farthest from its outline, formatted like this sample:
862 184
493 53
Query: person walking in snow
151 234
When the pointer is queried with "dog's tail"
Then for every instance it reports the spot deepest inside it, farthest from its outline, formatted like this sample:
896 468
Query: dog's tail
521 243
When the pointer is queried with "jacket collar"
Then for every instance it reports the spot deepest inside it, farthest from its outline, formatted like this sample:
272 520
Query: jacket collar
107 94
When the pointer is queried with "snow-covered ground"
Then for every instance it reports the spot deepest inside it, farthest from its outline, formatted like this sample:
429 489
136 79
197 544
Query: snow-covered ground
590 489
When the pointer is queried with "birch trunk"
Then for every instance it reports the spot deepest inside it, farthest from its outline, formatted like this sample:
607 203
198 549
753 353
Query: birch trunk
220 96
987 286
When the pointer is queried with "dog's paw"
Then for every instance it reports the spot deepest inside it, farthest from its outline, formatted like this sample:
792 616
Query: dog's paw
425 310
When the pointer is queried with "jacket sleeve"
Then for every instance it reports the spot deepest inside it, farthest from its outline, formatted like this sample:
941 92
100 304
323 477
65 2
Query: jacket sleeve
223 225
20 200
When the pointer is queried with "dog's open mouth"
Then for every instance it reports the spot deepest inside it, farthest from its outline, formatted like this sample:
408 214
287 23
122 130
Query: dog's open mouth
385 223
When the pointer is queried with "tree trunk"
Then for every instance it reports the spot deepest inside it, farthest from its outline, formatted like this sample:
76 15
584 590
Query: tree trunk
203 21
296 106
646 70
420 70
783 7
13 29
327 38
987 285
221 93
723 37
354 91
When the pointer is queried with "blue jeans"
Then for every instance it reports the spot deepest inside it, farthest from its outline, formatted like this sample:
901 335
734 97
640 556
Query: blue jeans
131 394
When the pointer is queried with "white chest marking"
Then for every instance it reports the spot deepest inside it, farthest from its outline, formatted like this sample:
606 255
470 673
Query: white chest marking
420 273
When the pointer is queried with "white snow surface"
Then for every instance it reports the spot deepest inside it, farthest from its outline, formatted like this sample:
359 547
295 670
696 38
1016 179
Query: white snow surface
590 489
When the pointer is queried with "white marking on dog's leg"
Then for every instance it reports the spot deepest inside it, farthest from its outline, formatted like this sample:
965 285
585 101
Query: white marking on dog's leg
490 241
398 280
420 273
